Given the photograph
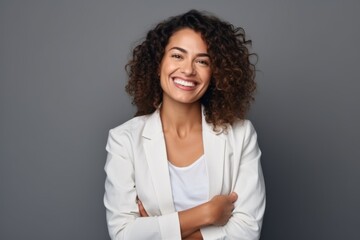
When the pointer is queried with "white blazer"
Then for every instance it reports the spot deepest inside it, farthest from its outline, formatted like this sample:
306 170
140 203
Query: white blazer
137 165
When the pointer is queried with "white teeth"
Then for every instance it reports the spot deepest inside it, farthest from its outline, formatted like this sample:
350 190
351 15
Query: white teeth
184 83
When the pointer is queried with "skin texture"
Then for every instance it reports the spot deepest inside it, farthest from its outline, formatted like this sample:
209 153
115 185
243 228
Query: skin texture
185 75
185 59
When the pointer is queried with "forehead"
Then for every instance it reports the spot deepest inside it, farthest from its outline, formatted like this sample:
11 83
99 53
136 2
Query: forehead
188 39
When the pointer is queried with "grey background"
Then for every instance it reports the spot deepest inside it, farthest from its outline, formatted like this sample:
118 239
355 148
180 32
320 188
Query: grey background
62 80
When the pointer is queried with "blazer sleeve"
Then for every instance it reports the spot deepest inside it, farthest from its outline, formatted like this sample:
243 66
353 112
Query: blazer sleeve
122 213
247 217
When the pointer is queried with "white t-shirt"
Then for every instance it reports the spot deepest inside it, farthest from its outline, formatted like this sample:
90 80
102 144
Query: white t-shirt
190 184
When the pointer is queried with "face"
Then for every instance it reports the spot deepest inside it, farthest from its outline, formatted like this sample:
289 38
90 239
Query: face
185 68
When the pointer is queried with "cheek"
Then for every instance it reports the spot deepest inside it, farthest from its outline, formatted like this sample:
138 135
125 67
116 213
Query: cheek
208 77
162 81
167 66
206 84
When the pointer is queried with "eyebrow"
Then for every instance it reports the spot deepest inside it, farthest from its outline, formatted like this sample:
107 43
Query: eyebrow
184 51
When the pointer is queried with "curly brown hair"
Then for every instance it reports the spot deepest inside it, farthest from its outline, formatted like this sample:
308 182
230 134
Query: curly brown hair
232 85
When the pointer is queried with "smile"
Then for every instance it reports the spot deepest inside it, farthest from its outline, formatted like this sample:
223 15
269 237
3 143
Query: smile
184 82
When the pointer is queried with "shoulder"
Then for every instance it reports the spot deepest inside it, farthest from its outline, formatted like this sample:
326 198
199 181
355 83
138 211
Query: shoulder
242 132
244 127
127 133
131 126
239 130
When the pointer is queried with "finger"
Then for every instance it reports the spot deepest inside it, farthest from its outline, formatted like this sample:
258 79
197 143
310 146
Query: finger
233 196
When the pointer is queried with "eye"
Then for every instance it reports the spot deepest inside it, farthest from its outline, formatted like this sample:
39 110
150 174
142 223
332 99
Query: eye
203 62
176 56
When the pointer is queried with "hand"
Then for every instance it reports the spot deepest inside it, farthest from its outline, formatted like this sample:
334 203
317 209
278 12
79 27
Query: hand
142 210
221 207
217 212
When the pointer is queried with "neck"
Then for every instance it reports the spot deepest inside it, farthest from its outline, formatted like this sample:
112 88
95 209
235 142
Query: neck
180 118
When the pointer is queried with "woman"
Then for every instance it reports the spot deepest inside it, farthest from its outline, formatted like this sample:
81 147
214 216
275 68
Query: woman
188 166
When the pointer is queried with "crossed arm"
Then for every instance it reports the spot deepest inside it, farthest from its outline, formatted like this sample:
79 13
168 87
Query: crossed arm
215 219
216 212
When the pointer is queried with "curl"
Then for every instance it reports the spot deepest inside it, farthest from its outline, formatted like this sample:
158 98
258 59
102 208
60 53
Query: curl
232 85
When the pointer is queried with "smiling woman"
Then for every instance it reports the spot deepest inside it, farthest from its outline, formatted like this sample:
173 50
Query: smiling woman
188 166
184 70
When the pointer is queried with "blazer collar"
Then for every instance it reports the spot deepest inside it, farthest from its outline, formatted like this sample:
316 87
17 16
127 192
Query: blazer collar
214 148
155 151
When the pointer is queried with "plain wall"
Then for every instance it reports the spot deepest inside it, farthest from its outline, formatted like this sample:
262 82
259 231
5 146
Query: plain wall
62 88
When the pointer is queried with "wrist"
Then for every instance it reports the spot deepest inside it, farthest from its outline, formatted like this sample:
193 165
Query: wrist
194 219
207 214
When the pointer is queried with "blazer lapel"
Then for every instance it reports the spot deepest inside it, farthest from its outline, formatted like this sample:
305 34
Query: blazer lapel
155 151
214 147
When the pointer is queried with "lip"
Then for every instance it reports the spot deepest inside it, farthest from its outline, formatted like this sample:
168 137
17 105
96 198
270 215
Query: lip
184 83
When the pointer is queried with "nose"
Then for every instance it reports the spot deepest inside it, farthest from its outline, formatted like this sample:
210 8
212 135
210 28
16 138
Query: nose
187 68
